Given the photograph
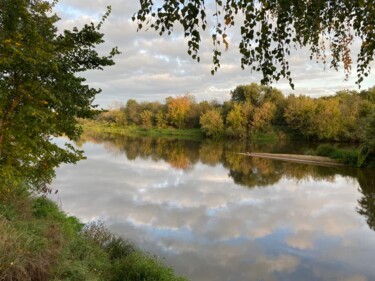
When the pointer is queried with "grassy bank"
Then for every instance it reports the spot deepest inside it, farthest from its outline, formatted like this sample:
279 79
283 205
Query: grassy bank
193 134
344 156
40 242
353 157
350 156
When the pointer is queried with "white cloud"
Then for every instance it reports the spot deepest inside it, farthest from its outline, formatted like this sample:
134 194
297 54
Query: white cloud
152 67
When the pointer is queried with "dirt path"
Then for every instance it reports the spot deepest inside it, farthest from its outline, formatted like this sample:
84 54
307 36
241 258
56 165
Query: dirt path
306 159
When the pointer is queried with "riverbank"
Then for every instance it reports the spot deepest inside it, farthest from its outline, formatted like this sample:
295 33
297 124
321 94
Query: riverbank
40 242
351 157
187 134
136 131
324 155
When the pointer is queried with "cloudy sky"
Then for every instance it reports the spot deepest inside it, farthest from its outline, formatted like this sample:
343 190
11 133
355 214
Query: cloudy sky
153 67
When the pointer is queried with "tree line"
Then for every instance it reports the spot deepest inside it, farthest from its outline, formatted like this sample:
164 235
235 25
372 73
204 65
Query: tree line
256 109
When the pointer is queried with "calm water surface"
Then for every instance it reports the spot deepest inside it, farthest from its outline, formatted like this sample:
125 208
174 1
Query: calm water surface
216 215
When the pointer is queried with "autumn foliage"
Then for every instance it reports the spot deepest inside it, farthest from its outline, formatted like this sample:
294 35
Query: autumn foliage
255 109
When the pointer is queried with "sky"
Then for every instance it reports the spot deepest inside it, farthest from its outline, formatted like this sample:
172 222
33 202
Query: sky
153 67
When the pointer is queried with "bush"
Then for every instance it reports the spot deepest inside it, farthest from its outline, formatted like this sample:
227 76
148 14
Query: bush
366 157
118 248
325 150
139 266
39 242
349 157
212 123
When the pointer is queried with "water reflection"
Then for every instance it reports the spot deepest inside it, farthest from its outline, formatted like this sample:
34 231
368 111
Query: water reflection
246 171
186 201
367 202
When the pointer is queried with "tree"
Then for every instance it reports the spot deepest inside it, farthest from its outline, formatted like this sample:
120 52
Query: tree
195 112
177 110
146 118
161 121
212 123
41 95
369 94
273 95
327 122
277 98
132 110
116 116
271 30
263 117
237 121
247 93
318 119
300 114
354 112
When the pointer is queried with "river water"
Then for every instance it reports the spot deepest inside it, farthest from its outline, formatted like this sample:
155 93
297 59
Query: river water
214 214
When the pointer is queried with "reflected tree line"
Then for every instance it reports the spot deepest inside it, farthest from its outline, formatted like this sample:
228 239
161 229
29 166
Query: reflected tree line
246 171
366 180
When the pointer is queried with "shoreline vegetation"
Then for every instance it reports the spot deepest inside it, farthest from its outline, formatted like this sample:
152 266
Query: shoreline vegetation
137 131
255 112
40 242
327 153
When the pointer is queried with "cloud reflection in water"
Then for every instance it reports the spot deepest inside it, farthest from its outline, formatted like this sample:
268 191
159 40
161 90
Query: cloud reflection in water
272 221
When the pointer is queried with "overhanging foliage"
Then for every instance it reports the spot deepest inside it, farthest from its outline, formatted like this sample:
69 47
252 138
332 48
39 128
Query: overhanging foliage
41 93
271 29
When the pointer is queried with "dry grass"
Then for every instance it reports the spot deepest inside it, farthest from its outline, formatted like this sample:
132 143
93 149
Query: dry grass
23 256
28 247
38 242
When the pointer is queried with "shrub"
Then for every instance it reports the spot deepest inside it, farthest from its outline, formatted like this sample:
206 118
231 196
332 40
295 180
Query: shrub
139 266
349 157
212 123
325 150
39 242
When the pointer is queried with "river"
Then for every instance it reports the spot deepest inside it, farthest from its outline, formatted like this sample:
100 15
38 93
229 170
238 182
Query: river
214 214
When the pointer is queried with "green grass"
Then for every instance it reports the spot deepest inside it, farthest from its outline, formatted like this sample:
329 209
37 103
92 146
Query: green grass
345 156
258 136
189 134
40 242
